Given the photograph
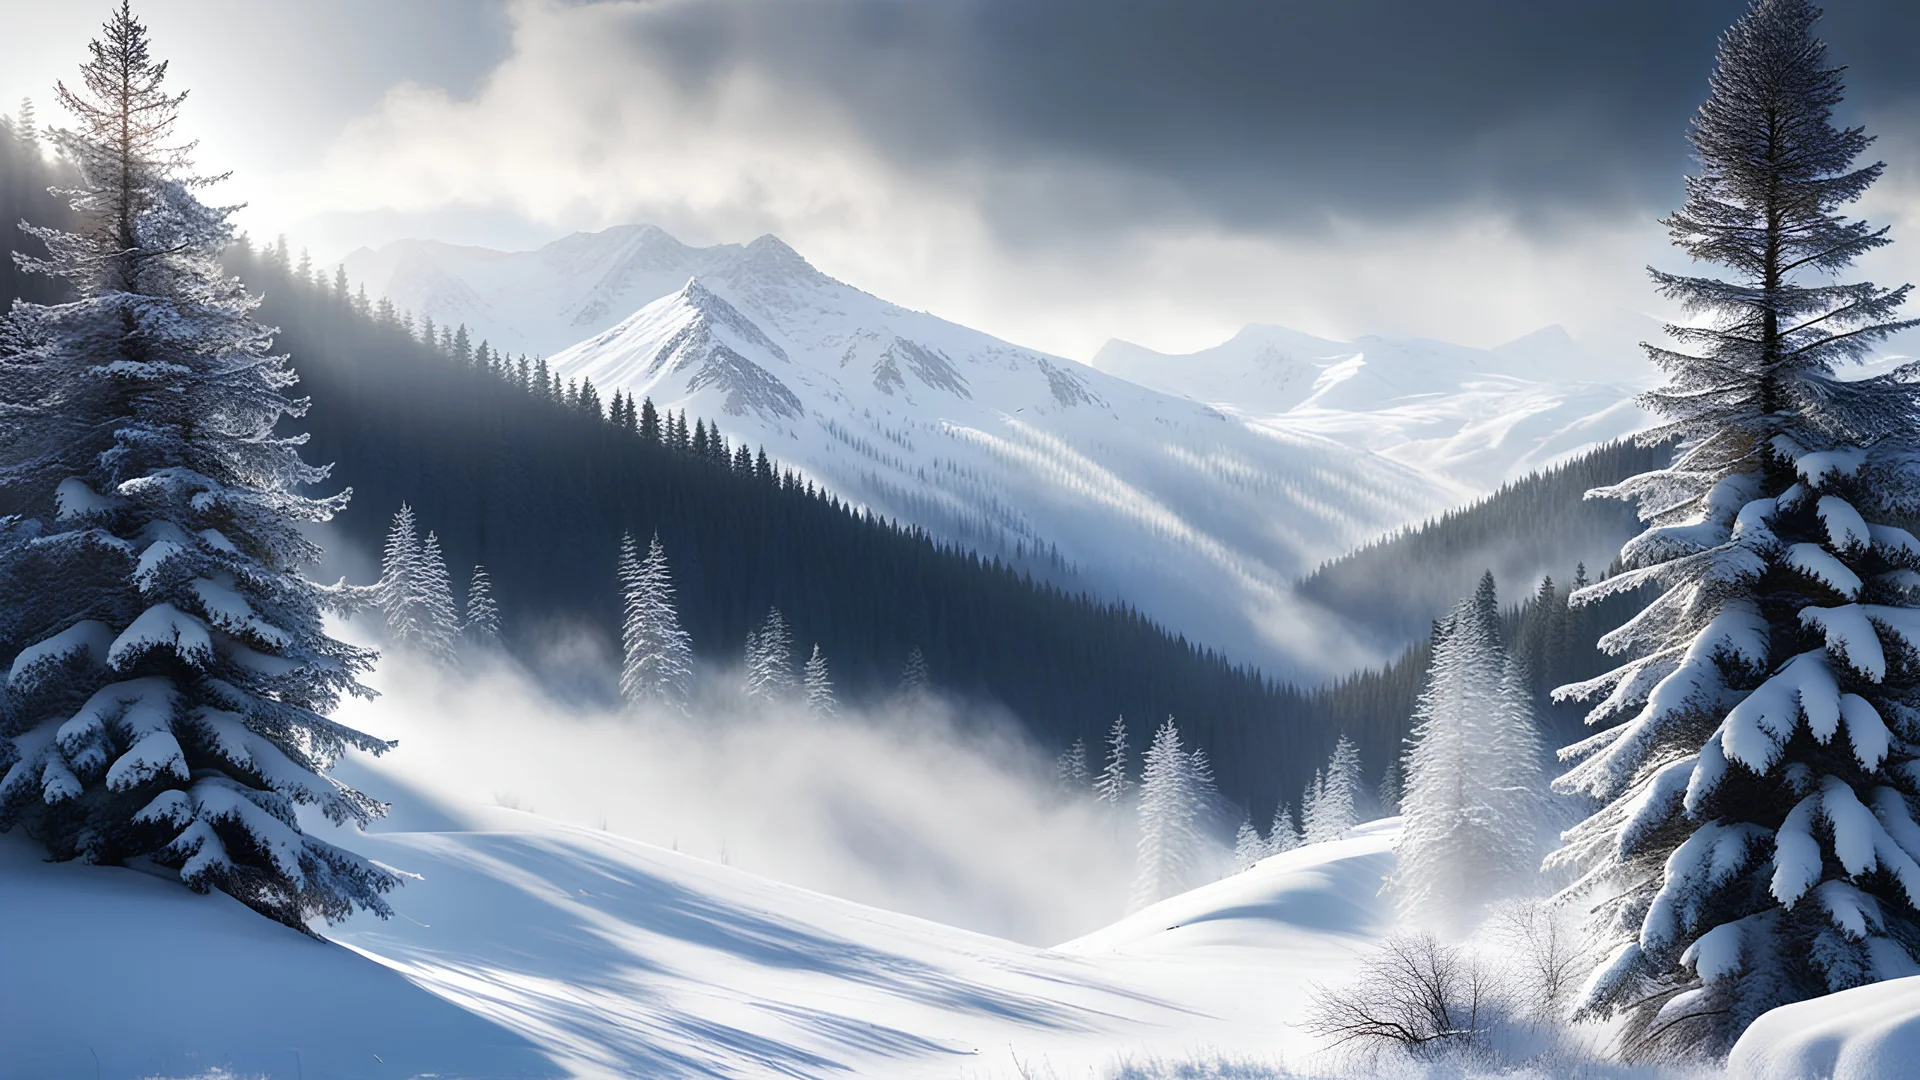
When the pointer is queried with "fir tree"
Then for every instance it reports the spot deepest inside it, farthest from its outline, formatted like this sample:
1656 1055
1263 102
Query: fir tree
1756 845
658 667
819 686
1472 815
1335 805
1310 832
916 679
770 660
397 588
1114 783
483 618
1169 811
439 619
649 422
1283 834
169 675
1248 847
1070 770
1390 790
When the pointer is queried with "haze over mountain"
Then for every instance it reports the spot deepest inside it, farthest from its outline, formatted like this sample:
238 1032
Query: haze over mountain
1479 417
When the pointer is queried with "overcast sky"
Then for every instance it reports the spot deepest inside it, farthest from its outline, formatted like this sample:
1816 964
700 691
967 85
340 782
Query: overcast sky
1054 171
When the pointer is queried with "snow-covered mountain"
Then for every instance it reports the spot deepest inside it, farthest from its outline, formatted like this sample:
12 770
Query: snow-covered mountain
1195 487
1478 417
540 301
1194 516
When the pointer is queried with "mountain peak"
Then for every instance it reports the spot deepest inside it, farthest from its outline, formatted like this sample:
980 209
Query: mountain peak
770 254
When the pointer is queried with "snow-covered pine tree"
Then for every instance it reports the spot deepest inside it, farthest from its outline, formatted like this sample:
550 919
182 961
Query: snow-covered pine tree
1333 804
1070 769
657 655
482 626
1206 792
1283 834
1113 783
916 679
1169 812
1391 789
770 660
439 619
1471 816
168 674
1758 772
394 593
1249 846
1309 806
819 685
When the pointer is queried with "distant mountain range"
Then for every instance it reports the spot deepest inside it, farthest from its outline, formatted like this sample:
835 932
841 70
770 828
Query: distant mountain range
1478 417
1198 488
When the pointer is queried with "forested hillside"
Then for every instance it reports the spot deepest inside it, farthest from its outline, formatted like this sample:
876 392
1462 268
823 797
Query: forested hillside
1541 525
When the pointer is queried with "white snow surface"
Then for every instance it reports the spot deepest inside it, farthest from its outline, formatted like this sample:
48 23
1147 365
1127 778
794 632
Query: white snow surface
1194 516
1476 417
1867 1033
531 948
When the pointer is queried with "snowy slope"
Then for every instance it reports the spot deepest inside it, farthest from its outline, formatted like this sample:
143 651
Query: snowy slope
1867 1033
531 948
1200 520
1478 417
115 973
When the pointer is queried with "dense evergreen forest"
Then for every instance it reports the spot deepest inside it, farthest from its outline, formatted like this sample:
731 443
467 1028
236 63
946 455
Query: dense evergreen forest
1535 526
539 481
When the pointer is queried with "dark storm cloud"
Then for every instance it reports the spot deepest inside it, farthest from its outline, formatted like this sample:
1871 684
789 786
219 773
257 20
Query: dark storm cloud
1264 113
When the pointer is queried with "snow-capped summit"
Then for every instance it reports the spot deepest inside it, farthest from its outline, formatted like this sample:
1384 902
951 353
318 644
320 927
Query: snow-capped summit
1169 504
544 300
696 338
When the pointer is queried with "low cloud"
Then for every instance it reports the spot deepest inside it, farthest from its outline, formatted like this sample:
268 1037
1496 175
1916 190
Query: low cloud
910 808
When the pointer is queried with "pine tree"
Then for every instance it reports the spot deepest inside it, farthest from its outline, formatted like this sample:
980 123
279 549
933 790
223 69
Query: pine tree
1070 770
1472 815
916 680
1310 830
1169 812
1249 847
819 686
1335 804
770 660
439 619
1747 855
397 588
658 667
1390 790
483 617
1283 834
649 422
1114 783
169 673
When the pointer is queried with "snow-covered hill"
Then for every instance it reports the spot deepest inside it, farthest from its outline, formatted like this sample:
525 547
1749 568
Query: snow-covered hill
1188 513
1478 417
534 949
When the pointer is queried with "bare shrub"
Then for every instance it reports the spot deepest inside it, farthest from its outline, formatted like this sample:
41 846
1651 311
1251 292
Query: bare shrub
1546 956
1412 992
